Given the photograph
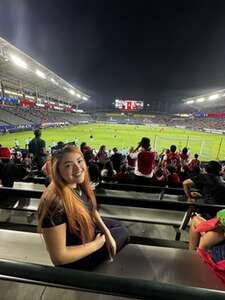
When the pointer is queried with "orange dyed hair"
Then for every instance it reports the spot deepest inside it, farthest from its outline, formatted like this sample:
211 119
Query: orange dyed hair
58 193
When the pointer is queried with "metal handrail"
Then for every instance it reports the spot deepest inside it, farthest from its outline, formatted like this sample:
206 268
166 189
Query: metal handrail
103 284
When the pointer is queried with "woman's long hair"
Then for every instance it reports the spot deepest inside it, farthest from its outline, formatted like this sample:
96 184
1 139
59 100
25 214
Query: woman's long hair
60 195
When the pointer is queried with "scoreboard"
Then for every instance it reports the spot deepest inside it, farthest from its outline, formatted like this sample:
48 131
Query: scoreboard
129 105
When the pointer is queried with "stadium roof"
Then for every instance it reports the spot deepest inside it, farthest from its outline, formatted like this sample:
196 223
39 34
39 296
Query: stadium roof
18 69
209 100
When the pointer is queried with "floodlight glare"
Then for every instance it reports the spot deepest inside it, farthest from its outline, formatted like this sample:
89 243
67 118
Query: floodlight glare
18 61
78 95
200 100
190 102
13 93
53 80
40 74
72 92
213 97
84 98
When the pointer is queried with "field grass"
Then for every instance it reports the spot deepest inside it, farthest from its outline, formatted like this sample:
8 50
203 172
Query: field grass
121 136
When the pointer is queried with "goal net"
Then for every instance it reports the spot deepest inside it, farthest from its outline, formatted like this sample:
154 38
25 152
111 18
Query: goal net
200 146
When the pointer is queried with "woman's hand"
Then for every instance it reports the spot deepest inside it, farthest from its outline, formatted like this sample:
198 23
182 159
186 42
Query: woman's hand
99 241
110 244
109 240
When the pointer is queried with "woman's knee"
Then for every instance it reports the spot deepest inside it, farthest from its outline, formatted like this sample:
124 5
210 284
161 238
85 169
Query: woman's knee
195 221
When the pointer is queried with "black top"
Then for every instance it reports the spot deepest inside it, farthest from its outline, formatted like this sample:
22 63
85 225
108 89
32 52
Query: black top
9 172
117 160
212 188
36 147
57 216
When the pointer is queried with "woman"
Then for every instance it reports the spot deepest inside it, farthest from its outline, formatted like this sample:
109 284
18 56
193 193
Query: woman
75 234
184 157
102 156
146 159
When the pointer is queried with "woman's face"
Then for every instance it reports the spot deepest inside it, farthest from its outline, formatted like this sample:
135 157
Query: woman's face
72 168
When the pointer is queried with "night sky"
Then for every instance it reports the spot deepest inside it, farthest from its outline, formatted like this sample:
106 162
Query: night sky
156 51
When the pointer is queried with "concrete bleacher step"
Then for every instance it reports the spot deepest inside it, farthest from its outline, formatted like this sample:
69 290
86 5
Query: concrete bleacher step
138 214
165 265
23 246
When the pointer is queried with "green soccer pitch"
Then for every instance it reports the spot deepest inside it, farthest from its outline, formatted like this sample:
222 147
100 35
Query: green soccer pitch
209 146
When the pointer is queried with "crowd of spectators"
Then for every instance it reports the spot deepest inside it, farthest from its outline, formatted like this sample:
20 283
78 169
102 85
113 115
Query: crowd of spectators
140 165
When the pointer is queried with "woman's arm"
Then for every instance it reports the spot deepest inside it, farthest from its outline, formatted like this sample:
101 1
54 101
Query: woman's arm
134 155
55 239
110 242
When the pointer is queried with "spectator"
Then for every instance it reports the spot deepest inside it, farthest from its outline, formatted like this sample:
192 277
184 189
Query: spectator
159 178
184 156
117 159
172 158
82 145
131 161
93 168
37 149
9 171
173 180
108 170
144 168
75 234
212 191
208 233
102 157
194 163
123 175
210 185
163 153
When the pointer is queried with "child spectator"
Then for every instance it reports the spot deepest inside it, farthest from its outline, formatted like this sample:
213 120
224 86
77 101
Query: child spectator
194 163
173 159
184 156
173 179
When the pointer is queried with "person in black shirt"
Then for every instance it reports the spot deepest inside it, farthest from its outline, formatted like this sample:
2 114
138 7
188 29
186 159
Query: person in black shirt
75 234
37 149
212 190
210 184
117 160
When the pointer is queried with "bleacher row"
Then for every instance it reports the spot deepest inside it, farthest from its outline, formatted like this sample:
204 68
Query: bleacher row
10 115
146 268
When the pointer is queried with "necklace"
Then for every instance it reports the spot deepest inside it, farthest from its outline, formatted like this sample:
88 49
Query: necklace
78 191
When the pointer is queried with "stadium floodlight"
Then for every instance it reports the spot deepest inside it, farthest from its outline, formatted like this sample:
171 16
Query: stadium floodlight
190 102
18 61
200 100
213 97
72 92
40 74
84 98
78 95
